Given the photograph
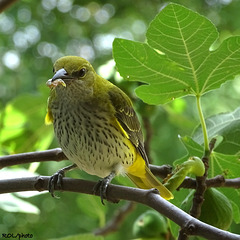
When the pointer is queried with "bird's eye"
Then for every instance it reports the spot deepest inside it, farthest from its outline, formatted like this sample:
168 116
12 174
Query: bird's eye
81 73
53 70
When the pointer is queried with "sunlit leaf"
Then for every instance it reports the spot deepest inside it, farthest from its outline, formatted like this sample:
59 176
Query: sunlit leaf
139 62
12 128
10 203
188 66
23 124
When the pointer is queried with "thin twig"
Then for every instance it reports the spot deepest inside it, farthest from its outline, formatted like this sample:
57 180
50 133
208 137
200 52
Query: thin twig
218 181
114 224
55 154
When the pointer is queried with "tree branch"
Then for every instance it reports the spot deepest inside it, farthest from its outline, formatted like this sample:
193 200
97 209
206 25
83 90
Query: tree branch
191 225
218 181
5 4
201 184
57 155
74 185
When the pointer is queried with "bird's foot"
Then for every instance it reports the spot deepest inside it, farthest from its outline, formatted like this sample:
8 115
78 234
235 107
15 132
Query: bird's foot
56 180
102 185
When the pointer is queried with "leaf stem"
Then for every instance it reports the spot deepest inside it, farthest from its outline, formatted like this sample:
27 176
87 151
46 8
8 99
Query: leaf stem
203 124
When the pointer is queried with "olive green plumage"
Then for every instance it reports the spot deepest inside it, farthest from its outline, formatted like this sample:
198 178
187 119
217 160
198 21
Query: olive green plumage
96 125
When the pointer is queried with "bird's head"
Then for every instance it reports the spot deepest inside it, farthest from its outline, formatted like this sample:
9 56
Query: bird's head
72 72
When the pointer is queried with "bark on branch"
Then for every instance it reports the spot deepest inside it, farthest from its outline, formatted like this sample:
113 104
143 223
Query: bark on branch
115 193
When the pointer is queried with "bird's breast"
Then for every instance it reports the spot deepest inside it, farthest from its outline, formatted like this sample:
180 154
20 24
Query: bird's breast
89 138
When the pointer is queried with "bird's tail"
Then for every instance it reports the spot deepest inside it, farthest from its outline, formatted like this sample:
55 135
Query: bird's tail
148 181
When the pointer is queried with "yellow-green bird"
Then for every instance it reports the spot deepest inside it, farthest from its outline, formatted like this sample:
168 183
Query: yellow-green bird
96 125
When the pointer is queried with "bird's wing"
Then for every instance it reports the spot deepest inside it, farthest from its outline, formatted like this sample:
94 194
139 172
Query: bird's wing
49 116
128 120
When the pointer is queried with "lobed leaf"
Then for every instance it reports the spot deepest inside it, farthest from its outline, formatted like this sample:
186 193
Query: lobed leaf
138 61
176 60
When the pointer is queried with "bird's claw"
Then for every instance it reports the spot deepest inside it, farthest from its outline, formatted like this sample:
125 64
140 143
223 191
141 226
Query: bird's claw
55 182
101 187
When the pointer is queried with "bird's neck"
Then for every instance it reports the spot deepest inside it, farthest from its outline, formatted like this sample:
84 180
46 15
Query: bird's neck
74 93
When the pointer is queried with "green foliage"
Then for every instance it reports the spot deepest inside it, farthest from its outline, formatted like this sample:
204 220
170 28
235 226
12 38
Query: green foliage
220 164
186 67
226 126
181 58
18 136
176 60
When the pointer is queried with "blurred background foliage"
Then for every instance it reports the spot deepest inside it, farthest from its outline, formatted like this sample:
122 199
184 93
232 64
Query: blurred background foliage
33 34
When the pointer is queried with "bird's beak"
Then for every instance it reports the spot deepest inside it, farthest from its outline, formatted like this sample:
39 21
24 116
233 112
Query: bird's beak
60 74
58 78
